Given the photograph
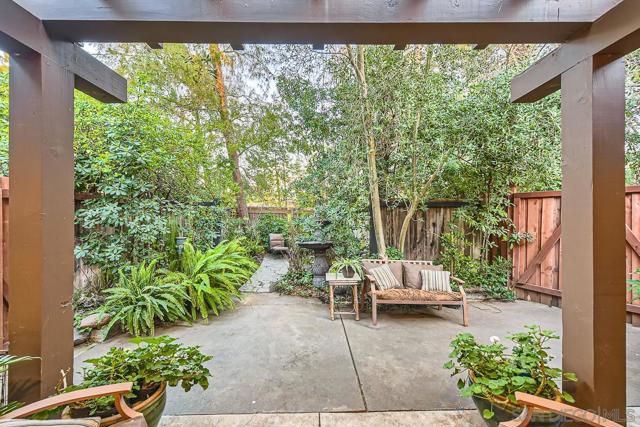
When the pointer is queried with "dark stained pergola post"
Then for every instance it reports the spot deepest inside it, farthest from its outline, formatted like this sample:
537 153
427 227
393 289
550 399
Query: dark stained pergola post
593 236
41 226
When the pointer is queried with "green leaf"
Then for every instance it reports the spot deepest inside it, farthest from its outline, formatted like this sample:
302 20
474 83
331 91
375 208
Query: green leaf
487 414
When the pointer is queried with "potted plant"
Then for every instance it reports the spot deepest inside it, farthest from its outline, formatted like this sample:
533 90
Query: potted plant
347 266
493 375
152 365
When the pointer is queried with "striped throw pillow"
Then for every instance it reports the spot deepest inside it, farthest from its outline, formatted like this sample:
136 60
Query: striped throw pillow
384 278
434 280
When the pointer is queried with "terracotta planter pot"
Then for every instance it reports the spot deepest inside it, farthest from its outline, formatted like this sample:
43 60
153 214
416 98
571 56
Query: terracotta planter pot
348 272
152 408
506 411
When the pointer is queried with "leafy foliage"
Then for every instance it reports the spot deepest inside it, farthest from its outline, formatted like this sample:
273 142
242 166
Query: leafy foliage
211 278
7 360
490 277
496 375
270 224
153 361
342 264
139 299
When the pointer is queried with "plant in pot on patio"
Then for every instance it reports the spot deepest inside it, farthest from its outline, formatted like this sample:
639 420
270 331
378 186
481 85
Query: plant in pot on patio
347 266
495 375
152 365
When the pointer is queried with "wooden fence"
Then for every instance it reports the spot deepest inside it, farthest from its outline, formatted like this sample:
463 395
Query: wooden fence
427 225
537 264
256 212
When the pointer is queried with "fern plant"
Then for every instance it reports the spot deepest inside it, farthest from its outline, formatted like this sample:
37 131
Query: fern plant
7 360
212 277
140 298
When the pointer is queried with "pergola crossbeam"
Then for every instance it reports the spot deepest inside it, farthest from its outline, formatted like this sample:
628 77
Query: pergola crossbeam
23 33
321 21
612 36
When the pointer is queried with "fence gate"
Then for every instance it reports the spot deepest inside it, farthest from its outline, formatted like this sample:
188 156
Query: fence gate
537 264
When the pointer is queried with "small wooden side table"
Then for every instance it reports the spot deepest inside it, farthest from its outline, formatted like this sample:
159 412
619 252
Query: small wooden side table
337 279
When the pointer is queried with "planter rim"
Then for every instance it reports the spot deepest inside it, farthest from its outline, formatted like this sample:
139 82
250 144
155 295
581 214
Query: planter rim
137 406
509 404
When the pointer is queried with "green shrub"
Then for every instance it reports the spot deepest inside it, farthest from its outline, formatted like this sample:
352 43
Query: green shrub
152 362
269 224
212 278
297 283
490 277
139 299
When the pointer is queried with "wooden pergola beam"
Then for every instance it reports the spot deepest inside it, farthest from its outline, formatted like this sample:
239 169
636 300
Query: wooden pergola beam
615 34
23 33
321 21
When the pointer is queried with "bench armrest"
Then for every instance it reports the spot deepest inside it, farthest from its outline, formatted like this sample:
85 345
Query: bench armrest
116 390
572 412
455 279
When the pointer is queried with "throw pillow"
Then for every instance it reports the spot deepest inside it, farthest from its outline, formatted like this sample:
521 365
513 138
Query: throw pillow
384 278
435 280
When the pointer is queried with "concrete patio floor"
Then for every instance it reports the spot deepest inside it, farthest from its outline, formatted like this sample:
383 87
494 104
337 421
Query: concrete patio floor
279 354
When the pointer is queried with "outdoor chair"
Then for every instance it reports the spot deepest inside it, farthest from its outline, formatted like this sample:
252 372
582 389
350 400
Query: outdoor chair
277 244
130 418
408 274
531 402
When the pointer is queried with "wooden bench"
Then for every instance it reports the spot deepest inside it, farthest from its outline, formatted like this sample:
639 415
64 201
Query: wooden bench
430 298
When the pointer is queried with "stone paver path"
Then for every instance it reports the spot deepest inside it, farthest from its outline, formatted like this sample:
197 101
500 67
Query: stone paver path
272 268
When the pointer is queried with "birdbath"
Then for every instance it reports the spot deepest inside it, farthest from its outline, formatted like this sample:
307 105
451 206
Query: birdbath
320 263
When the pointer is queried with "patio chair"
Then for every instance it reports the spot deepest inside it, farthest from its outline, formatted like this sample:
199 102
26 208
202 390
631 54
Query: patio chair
531 402
277 244
130 418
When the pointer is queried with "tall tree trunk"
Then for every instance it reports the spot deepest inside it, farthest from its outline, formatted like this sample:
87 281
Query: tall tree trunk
415 199
227 131
367 121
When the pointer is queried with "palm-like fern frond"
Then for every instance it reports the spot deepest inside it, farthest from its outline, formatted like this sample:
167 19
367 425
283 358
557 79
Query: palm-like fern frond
140 298
212 278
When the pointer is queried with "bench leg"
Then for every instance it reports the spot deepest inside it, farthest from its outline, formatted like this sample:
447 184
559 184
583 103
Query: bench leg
374 310
465 313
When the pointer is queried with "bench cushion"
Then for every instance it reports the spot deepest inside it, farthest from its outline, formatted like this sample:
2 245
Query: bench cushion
385 278
394 266
412 271
409 294
435 280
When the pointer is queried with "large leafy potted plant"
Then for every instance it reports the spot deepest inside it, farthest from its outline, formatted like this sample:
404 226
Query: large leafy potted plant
347 266
493 375
152 365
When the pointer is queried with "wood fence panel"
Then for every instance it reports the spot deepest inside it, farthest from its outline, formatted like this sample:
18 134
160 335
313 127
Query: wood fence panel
425 230
537 264
256 212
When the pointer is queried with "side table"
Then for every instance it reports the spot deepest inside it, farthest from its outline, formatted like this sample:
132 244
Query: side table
337 279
